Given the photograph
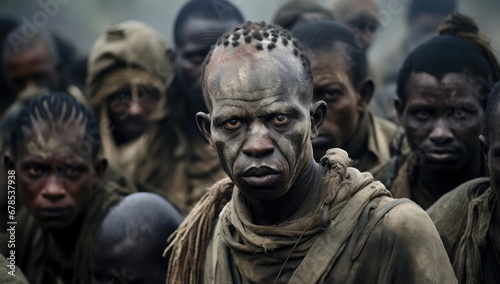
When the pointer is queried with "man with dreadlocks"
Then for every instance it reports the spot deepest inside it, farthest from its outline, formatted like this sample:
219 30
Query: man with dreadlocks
127 79
290 220
442 89
468 218
53 154
341 79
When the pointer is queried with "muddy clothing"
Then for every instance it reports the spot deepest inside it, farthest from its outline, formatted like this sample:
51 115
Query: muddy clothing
40 257
132 53
372 145
356 233
15 276
463 218
400 177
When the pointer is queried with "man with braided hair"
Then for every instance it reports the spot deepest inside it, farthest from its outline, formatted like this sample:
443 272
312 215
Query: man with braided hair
442 91
290 220
468 218
54 158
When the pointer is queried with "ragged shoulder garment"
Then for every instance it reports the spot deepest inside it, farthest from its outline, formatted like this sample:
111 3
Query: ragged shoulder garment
463 218
356 234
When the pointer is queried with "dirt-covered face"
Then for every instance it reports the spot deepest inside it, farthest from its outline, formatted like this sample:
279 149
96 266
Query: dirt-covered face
55 174
443 119
260 121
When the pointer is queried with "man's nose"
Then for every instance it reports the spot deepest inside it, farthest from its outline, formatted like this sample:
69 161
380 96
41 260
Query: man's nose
135 108
258 144
54 189
441 133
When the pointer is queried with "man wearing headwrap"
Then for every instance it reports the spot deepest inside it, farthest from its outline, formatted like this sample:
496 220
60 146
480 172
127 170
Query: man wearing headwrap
128 74
290 220
468 218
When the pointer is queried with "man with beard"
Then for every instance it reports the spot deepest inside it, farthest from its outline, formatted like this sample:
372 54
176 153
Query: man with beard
290 220
442 89
197 27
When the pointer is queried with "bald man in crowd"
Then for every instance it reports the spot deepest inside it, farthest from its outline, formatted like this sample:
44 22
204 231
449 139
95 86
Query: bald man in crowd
290 219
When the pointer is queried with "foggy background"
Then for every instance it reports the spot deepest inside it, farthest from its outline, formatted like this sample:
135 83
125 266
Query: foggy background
81 21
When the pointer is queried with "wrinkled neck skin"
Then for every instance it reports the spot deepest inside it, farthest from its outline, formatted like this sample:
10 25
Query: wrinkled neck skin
305 190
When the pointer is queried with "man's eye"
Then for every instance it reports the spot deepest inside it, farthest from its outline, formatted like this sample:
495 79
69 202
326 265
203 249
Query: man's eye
460 114
72 172
233 124
331 94
198 59
280 120
422 115
34 171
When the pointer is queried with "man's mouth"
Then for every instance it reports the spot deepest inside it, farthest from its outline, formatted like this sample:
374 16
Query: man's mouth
442 154
261 176
53 212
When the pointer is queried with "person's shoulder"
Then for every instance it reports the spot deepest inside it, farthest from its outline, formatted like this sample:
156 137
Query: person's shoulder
449 213
456 200
406 218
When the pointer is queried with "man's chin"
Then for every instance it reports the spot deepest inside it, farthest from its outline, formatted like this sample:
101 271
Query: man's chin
263 194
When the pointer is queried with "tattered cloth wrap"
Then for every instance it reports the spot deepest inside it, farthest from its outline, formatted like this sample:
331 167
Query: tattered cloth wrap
260 251
345 11
133 52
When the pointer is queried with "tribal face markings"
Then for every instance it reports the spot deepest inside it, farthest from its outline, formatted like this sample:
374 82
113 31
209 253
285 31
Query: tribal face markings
260 105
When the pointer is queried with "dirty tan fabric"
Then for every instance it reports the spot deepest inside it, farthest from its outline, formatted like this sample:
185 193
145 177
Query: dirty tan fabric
403 247
40 257
6 278
371 145
133 52
463 219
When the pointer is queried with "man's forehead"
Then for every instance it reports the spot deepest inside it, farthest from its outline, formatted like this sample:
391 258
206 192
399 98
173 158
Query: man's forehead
249 75
46 140
198 31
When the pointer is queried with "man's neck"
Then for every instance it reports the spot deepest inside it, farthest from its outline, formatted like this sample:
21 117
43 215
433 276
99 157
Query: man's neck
358 143
305 190
439 183
66 239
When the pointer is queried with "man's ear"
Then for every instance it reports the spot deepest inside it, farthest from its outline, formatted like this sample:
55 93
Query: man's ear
9 161
366 89
171 56
318 112
485 147
400 107
100 167
204 124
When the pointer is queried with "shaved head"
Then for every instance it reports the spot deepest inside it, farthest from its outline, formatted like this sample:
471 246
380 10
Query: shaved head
132 238
261 51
